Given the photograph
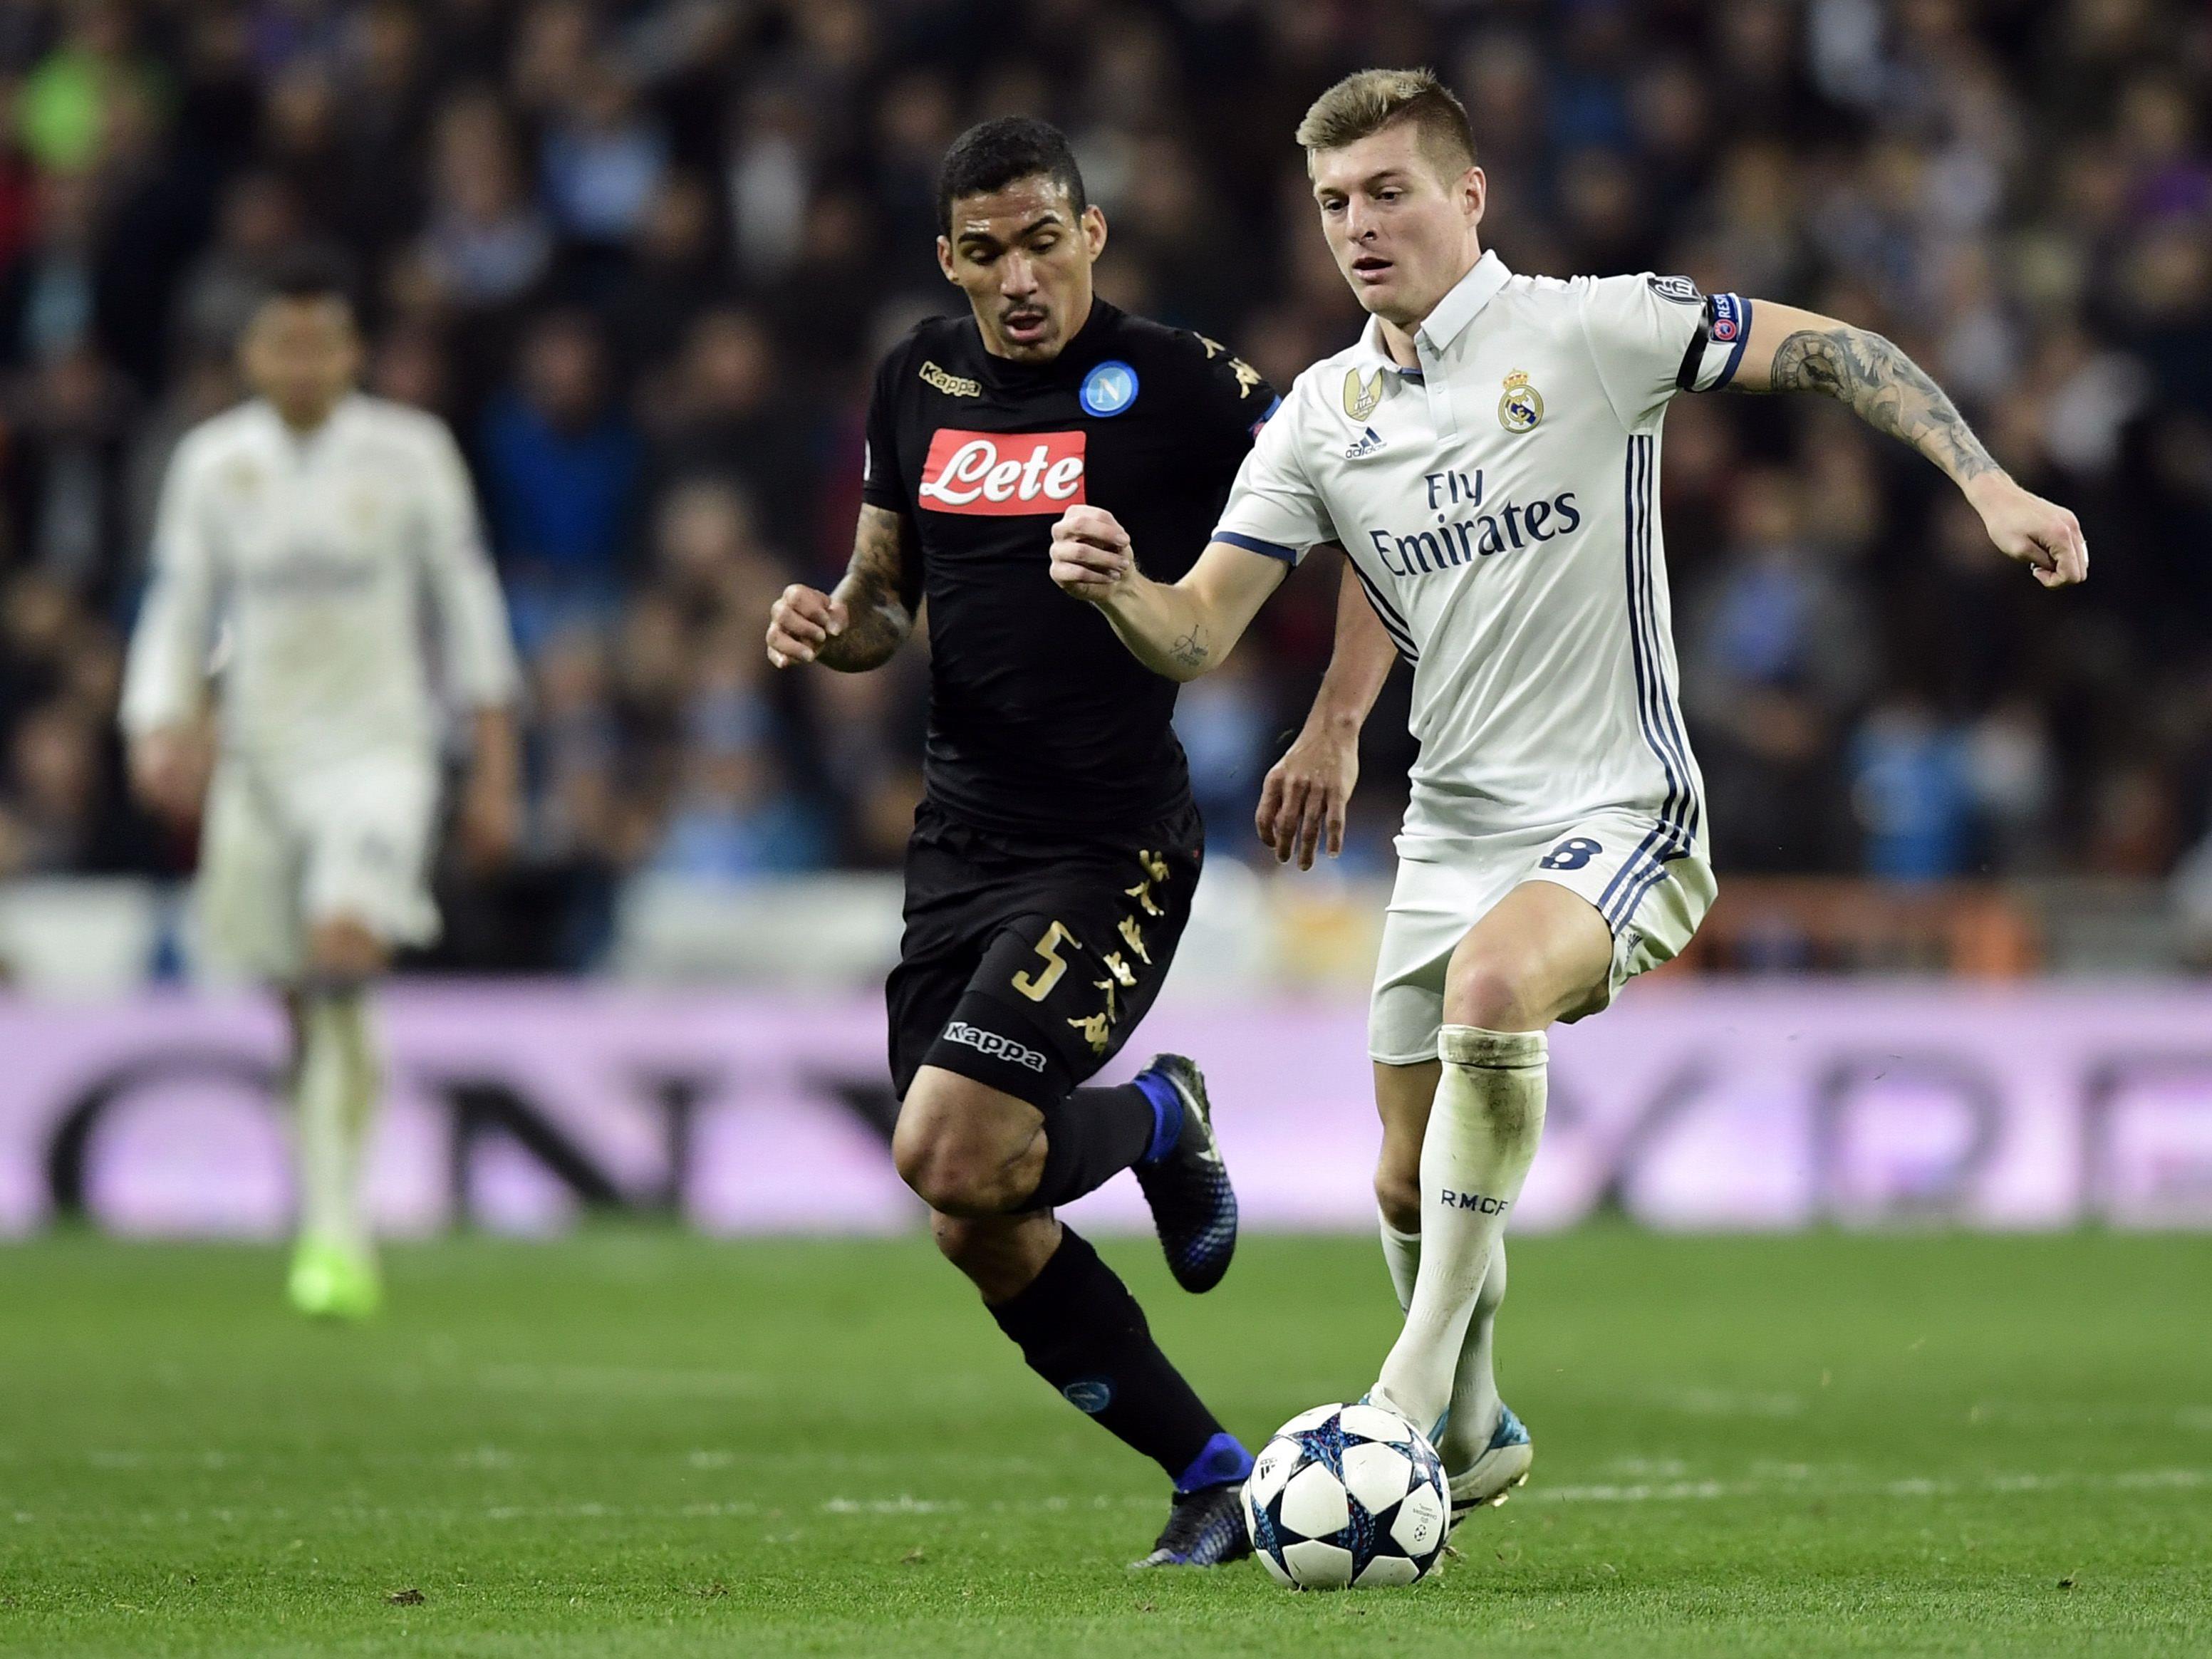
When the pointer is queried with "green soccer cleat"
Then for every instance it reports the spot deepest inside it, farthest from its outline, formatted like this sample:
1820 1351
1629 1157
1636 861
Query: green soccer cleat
334 1281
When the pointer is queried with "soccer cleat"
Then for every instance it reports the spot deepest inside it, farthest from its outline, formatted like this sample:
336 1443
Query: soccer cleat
1194 1206
1502 1465
1205 1528
329 1281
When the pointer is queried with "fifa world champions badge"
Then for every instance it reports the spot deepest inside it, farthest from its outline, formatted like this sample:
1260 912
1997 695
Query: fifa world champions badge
1361 396
1522 405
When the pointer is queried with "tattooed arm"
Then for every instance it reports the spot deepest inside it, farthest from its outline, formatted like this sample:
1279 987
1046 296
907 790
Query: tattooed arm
860 625
1794 351
1181 630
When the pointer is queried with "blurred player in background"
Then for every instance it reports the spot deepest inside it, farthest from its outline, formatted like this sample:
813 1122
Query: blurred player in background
1055 857
301 538
1488 457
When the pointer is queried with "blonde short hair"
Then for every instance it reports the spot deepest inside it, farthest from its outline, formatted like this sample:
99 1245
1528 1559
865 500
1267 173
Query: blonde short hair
1361 104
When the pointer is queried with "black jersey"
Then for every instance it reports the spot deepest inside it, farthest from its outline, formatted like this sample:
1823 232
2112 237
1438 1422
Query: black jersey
1039 718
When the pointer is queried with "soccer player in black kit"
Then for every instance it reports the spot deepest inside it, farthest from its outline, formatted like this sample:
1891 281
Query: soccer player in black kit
1055 853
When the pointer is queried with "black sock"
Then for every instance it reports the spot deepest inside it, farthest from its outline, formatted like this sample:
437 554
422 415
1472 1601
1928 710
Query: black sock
1080 1330
1090 1138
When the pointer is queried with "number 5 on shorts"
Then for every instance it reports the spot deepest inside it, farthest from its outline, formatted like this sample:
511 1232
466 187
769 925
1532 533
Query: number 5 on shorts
1037 986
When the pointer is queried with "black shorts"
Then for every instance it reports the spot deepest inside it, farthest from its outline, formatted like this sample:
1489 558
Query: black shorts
1026 964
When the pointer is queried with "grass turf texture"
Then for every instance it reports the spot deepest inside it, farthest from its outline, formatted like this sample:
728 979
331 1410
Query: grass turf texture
639 1443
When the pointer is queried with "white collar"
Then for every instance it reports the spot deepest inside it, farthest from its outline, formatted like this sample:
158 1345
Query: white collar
1449 318
305 443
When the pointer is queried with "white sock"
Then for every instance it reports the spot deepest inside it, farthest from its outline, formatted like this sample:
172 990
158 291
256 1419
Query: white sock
1401 1253
1474 1384
336 1100
1482 1136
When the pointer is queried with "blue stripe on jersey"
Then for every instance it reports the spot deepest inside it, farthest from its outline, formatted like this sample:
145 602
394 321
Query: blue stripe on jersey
1254 544
1663 691
1388 612
1638 890
1678 814
1393 623
1655 637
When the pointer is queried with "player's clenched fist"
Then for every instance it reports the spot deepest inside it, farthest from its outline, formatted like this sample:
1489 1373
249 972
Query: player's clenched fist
1090 552
802 623
2042 535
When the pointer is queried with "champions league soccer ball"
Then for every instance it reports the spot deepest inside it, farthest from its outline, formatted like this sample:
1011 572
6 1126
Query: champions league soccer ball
1348 1495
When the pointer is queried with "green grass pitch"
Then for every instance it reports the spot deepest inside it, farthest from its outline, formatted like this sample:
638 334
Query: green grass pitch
642 1443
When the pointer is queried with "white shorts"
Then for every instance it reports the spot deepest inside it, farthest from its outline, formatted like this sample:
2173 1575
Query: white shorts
286 848
1653 903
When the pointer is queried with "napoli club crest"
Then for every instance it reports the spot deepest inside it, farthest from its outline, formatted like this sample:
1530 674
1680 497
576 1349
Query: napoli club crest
1521 406
1108 389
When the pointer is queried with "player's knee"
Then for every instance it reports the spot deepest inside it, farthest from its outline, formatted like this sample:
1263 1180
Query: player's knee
960 1156
1398 1195
947 1172
345 948
1493 993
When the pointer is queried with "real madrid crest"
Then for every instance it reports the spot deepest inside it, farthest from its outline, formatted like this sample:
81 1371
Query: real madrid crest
1360 397
1522 405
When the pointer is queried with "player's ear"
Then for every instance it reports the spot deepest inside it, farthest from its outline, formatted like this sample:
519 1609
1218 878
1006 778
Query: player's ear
945 259
1094 229
1473 194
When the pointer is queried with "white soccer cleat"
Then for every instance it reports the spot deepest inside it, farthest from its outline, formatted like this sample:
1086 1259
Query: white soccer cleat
1502 1465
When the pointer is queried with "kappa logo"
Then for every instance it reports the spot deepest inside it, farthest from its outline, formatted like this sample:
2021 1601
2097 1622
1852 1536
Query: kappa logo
952 386
1002 474
991 1043
1361 397
1248 378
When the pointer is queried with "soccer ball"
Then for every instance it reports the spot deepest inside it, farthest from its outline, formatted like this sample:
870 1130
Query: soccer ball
1348 1495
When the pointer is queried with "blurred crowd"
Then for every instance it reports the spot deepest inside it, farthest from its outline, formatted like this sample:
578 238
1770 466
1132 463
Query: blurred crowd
643 255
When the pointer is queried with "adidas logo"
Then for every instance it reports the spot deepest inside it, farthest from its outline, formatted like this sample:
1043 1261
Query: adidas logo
1369 443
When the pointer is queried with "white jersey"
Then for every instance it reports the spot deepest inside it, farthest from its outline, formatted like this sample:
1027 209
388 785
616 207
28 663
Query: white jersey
315 557
1499 505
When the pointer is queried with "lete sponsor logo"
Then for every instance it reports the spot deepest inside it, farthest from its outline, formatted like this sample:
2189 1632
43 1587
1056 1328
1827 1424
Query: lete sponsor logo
1002 474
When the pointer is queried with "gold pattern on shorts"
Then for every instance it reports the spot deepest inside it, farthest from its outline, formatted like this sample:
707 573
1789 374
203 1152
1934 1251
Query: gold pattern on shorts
1134 936
1093 1027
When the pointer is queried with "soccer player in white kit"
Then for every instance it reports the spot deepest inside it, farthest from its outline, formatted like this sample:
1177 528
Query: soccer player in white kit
1487 455
300 537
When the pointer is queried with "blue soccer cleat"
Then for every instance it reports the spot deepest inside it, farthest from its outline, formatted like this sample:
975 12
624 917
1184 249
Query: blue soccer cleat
1194 1206
1504 1464
1205 1529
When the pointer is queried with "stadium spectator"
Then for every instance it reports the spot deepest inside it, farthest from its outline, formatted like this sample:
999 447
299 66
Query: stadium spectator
561 471
643 254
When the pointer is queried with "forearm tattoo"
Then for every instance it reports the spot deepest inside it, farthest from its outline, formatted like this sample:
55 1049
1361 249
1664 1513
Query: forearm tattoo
878 620
1886 390
1190 649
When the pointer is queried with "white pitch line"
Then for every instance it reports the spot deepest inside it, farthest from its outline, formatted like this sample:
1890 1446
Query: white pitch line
1798 1482
1813 1485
